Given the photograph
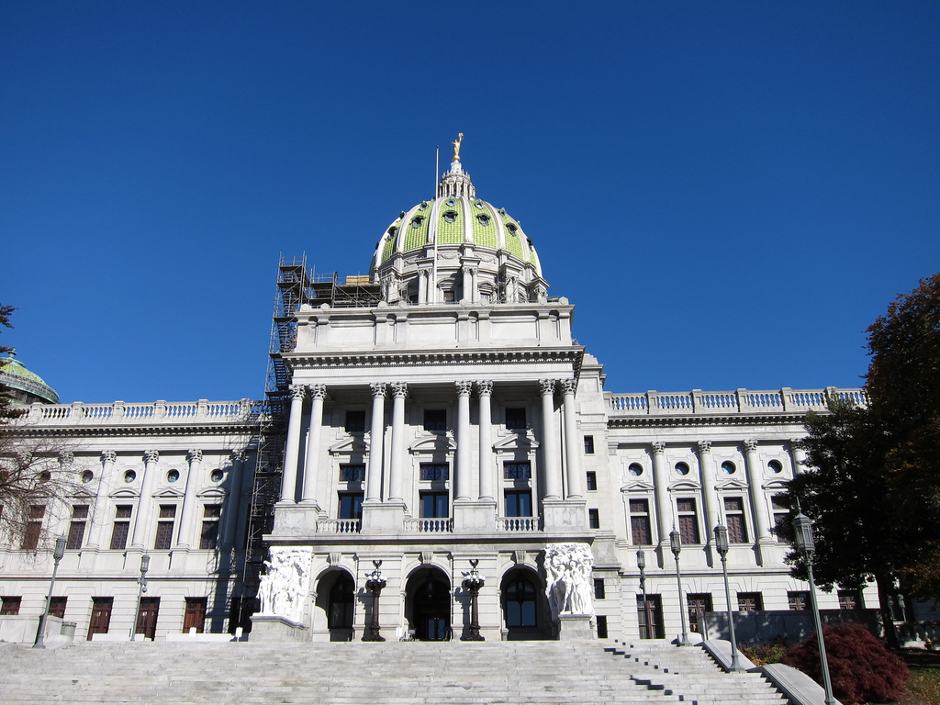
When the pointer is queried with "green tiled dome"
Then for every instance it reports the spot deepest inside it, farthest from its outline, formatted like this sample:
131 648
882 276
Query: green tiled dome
25 384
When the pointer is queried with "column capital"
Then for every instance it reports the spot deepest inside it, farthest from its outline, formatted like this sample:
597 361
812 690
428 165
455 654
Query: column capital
194 455
750 445
464 387
795 442
659 447
151 456
108 456
239 456
399 389
297 391
317 391
485 387
704 446
378 389
547 386
569 386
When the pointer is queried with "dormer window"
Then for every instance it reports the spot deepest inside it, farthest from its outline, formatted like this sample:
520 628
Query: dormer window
512 227
479 204
416 221
450 216
451 202
483 220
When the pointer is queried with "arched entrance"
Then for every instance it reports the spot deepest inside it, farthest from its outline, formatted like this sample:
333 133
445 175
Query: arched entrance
336 602
428 604
524 606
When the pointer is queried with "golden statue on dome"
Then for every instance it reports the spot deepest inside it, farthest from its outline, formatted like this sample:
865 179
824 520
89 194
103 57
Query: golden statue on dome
456 144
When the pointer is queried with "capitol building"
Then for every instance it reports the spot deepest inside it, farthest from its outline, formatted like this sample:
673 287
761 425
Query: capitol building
432 422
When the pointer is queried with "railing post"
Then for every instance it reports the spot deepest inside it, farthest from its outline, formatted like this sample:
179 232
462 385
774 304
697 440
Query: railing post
202 408
697 401
741 393
785 397
652 401
159 408
78 413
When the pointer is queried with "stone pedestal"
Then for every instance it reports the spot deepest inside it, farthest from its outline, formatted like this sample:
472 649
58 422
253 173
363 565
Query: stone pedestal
271 627
474 516
565 515
292 519
383 518
575 627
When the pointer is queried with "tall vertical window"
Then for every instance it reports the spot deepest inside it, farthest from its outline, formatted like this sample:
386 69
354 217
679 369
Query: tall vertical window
699 603
517 471
601 626
165 524
518 503
350 505
355 421
77 526
209 536
688 520
594 519
592 481
599 591
734 517
352 472
515 418
750 602
122 524
640 522
57 606
434 472
589 445
33 527
435 420
781 516
434 505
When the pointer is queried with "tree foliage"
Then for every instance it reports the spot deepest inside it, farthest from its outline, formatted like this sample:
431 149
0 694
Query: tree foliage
5 313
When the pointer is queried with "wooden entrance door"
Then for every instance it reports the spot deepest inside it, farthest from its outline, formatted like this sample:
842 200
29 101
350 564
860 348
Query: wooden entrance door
650 616
100 615
195 615
147 617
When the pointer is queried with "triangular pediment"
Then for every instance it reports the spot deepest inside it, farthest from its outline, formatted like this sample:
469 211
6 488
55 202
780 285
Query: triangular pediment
731 485
168 493
637 486
437 442
350 446
82 494
516 441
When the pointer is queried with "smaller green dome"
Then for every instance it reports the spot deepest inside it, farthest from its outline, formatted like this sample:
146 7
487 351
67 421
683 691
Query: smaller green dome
25 384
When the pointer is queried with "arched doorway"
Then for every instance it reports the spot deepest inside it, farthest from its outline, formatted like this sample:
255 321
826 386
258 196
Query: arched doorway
523 604
428 604
336 600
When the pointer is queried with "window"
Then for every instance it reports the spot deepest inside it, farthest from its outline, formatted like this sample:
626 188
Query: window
650 616
734 517
520 604
589 445
798 600
592 481
688 520
594 519
599 591
57 606
750 602
517 471
515 418
776 467
640 522
601 626
518 503
781 512
77 527
699 603
850 600
728 467
682 468
165 527
352 473
122 523
435 420
33 527
355 421
635 469
350 505
434 505
10 605
434 472
209 538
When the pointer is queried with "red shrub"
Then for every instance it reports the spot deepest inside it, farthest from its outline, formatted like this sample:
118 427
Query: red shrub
860 665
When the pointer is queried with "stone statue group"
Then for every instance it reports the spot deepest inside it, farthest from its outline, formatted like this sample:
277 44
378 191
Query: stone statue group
284 586
570 589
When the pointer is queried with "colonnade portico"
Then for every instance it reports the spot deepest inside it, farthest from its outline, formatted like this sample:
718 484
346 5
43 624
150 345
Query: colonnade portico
386 500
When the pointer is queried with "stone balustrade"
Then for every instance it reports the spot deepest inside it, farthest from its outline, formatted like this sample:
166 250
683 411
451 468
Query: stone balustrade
429 526
339 526
738 401
518 524
158 412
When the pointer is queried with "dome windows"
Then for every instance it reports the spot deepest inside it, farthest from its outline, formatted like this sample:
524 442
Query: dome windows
479 204
451 202
450 216
512 227
417 221
483 219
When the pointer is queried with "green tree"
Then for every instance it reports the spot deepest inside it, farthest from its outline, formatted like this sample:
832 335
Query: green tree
5 314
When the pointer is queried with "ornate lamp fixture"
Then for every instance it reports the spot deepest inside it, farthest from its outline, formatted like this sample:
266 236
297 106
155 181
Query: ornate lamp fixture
375 581
675 544
721 545
57 554
472 582
141 589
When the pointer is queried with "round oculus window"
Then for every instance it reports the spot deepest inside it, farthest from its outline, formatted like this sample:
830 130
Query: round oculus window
88 476
635 469
775 466
173 475
682 468
216 475
728 467
130 476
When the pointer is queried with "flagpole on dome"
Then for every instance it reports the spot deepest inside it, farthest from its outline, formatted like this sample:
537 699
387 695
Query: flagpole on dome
432 295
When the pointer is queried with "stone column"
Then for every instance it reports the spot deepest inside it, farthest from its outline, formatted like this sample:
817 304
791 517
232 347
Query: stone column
377 440
292 450
798 457
184 530
661 487
467 293
399 392
709 499
550 441
151 458
233 499
463 440
100 518
312 456
756 490
485 390
572 446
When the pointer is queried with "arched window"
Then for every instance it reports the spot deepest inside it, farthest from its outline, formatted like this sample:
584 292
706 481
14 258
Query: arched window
340 612
521 603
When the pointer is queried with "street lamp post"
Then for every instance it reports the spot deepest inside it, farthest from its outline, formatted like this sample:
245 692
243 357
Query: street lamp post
472 582
675 543
375 581
57 554
141 589
641 564
721 545
803 532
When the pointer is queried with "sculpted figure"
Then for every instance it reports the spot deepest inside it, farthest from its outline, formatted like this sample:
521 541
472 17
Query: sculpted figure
283 587
568 568
456 144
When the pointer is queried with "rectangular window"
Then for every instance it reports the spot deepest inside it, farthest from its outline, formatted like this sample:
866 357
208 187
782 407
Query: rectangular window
517 471
434 472
688 520
750 602
589 445
10 604
122 523
515 418
734 517
435 505
435 420
592 481
781 512
33 527
209 537
601 626
699 603
640 522
352 473
599 591
355 421
165 524
518 503
594 519
57 606
798 600
350 505
850 600
77 527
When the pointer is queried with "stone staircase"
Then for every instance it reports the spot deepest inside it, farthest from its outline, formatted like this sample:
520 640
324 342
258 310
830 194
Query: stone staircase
179 673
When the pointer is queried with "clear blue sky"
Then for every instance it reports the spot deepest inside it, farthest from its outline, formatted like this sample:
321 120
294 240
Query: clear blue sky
729 193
